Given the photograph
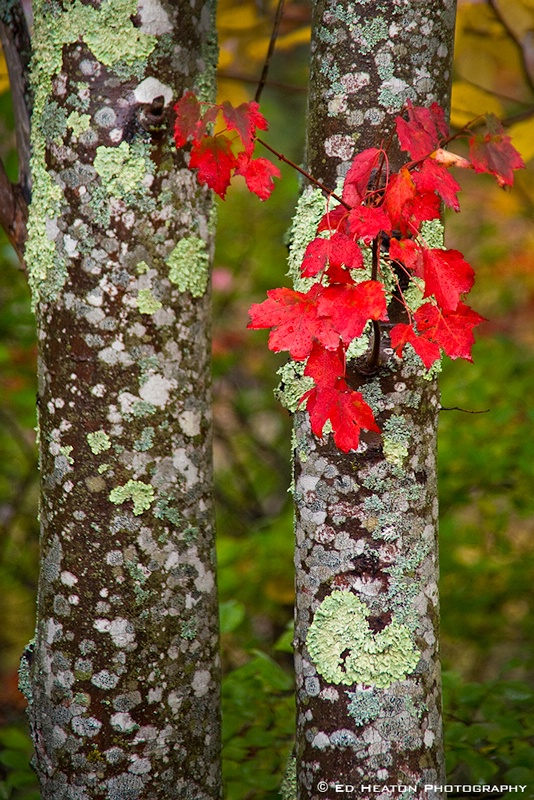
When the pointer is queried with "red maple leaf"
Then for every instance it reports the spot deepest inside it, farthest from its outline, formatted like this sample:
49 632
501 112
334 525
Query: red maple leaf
336 252
258 174
451 330
190 121
351 307
347 411
407 251
494 153
325 366
366 222
357 179
296 321
244 119
447 276
399 192
433 177
335 219
427 350
424 130
215 161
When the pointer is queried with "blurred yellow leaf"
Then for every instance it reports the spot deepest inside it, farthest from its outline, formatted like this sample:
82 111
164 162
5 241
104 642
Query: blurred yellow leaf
258 48
522 134
4 78
470 101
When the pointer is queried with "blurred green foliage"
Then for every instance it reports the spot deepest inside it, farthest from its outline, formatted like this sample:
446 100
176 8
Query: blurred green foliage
486 459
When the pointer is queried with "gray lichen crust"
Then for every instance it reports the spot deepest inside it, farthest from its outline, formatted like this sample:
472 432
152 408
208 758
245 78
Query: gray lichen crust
366 623
123 683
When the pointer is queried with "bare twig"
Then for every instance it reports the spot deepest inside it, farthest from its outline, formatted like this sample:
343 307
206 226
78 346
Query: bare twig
464 410
270 50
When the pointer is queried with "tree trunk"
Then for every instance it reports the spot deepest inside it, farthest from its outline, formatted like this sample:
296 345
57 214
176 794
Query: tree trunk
123 676
368 681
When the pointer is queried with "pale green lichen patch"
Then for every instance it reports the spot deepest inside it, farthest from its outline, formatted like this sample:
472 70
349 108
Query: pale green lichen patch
142 495
78 123
121 171
98 441
146 302
345 650
310 210
365 705
395 440
189 265
293 384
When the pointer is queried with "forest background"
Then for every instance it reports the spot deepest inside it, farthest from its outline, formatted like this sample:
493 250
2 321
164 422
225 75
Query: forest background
486 459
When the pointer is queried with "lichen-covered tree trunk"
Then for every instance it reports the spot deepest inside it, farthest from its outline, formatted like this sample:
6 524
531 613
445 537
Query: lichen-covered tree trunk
368 680
123 676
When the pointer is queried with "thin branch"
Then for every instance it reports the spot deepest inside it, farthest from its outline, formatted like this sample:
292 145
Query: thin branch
526 57
16 44
464 410
238 76
303 172
270 51
14 199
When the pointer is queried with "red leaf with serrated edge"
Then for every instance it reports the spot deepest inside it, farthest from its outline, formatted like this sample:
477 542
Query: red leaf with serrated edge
187 122
214 159
338 251
494 153
244 119
406 251
357 179
424 130
347 411
296 321
403 334
433 177
399 192
258 174
447 276
351 307
191 122
424 206
325 366
335 219
451 330
366 222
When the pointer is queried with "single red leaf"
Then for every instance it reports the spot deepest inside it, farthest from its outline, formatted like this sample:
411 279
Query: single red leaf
424 130
347 411
244 119
451 330
494 152
356 185
325 366
214 159
335 219
447 276
407 251
187 121
258 174
424 206
400 192
351 307
366 222
427 350
336 252
296 321
433 177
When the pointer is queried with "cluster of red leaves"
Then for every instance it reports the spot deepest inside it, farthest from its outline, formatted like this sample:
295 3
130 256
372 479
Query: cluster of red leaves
221 155
378 209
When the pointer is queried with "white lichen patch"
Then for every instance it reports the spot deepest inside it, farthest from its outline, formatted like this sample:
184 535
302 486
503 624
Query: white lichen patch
156 390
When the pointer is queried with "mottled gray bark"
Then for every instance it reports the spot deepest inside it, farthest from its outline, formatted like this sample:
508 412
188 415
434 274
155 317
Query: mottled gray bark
123 675
368 681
